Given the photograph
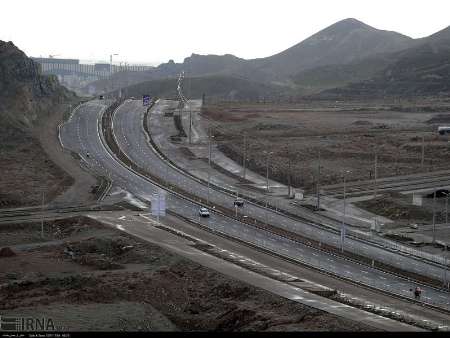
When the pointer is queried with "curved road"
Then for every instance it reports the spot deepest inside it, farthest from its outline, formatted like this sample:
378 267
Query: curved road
81 134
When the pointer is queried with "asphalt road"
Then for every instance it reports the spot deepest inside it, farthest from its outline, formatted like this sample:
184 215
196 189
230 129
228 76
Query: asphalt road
81 134
130 136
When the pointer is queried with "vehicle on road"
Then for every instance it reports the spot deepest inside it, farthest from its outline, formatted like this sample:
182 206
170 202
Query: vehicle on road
101 97
203 212
239 202
443 130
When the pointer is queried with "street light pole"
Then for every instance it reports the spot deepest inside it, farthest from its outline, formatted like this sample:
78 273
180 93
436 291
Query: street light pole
423 152
209 177
42 219
111 70
344 215
318 185
434 216
244 160
376 175
267 171
209 146
446 207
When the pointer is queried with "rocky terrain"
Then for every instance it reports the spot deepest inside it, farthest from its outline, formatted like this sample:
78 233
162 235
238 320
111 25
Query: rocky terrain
27 100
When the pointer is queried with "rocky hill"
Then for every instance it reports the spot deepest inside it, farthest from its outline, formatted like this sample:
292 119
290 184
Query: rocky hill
25 95
27 99
421 70
343 42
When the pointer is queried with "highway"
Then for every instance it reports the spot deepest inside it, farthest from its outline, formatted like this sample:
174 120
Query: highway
81 134
129 117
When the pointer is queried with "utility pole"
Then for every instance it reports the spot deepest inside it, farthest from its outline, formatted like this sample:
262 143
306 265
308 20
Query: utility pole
434 216
289 174
190 124
318 185
42 219
244 160
446 208
209 146
209 178
376 176
344 215
267 171
111 71
423 152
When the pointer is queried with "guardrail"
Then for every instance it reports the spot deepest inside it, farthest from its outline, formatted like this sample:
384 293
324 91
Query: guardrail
114 148
358 236
105 184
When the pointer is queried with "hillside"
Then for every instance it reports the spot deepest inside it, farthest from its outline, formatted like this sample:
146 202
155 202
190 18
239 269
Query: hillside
332 76
214 87
27 99
343 42
422 70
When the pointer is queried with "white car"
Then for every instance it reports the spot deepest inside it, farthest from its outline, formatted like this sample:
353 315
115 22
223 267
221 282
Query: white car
203 212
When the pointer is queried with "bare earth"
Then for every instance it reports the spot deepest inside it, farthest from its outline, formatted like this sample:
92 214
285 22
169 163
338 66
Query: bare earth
347 135
91 277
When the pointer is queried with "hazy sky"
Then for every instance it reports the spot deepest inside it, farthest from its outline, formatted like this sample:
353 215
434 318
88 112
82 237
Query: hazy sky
159 30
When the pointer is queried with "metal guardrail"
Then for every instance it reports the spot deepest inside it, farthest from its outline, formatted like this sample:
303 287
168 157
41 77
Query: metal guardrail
105 183
259 224
368 239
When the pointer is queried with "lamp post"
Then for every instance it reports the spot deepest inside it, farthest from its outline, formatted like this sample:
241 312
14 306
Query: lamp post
209 146
343 217
267 169
111 70
446 207
244 160
434 216
318 184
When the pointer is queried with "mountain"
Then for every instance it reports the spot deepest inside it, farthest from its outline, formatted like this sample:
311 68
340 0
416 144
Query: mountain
343 42
421 70
346 41
332 76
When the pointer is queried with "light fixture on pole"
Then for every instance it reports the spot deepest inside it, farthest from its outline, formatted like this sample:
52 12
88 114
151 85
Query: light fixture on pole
111 69
268 153
446 207
344 213
434 216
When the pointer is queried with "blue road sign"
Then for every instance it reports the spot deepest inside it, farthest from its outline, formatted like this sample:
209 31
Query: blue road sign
146 100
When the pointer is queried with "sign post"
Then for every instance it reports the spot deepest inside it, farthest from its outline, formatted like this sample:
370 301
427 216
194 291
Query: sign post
159 204
145 100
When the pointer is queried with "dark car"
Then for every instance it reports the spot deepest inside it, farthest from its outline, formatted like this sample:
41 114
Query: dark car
239 202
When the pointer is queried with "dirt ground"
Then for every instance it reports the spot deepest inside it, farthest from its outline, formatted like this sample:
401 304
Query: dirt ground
86 276
26 173
347 135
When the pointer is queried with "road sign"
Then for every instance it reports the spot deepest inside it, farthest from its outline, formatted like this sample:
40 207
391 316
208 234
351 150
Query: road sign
159 204
146 100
